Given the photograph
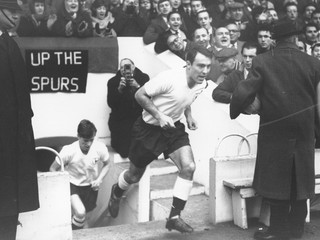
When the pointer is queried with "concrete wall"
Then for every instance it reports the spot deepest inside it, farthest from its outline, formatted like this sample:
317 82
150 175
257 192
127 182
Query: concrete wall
52 220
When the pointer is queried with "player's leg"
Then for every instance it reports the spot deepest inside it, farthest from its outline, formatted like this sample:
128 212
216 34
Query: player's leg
78 212
184 160
126 178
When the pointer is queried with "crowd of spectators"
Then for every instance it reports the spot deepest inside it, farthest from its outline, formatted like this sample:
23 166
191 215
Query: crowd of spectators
175 24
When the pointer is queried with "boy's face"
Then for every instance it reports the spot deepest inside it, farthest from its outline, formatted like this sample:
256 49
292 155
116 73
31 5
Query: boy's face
39 8
316 52
85 143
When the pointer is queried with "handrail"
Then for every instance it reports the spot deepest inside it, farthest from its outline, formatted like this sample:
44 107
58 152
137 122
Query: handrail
53 151
249 135
243 138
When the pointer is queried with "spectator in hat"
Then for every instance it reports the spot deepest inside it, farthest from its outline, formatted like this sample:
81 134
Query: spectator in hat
287 82
226 58
223 92
220 40
18 173
37 23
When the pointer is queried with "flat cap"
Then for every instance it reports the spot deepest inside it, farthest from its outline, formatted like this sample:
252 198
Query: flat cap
284 29
9 4
235 5
226 53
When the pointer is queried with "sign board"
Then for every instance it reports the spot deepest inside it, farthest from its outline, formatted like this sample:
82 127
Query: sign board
57 70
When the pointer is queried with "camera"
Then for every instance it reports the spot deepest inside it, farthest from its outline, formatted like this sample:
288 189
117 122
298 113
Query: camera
127 71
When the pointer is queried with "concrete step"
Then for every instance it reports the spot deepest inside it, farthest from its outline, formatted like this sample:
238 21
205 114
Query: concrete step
196 209
161 186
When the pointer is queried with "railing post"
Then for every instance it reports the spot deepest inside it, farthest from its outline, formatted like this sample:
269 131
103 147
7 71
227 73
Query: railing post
144 197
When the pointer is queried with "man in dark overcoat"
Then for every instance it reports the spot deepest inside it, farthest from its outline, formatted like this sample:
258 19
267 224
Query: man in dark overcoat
124 108
18 175
286 82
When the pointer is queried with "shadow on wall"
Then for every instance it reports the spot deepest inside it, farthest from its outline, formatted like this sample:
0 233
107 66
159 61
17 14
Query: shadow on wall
45 158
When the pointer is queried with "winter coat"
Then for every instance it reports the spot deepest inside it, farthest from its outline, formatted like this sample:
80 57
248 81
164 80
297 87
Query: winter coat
285 80
18 175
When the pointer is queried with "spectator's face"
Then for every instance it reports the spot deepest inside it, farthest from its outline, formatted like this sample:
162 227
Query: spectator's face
247 55
165 8
272 16
85 143
234 32
72 6
39 8
204 20
311 34
175 43
199 69
316 19
175 21
13 15
146 4
201 37
264 39
316 52
222 37
227 65
292 12
236 14
101 12
196 6
308 11
175 3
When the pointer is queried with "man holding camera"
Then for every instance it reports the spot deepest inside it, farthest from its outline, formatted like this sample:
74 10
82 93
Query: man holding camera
124 108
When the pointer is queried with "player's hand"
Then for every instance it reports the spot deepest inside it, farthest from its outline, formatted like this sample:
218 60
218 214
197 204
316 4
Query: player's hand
192 124
166 122
95 185
122 84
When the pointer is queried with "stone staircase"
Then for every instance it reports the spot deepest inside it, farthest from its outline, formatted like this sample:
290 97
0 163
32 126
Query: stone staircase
163 174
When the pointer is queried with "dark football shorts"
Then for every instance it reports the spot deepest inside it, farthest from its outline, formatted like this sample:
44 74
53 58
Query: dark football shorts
149 141
87 195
